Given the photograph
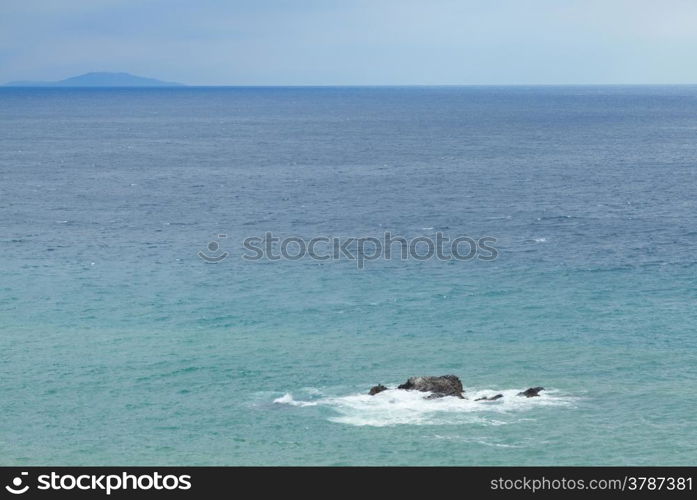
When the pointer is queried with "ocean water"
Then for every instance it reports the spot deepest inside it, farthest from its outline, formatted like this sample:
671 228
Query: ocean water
119 345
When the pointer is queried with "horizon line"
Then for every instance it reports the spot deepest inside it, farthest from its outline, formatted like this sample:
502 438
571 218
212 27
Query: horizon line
359 85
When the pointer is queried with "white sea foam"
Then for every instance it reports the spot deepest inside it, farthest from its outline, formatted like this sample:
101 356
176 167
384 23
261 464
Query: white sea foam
287 399
397 407
466 439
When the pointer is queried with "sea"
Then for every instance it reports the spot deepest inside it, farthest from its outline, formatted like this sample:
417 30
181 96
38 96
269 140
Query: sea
134 331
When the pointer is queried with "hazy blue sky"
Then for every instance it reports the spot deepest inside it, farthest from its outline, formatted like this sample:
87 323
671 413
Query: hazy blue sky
353 42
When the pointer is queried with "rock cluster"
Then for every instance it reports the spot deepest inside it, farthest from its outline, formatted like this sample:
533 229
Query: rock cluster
446 385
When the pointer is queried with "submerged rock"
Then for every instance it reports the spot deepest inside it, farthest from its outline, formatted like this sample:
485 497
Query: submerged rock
445 385
532 392
490 398
377 389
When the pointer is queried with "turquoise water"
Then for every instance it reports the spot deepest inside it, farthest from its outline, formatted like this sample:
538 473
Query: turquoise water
121 346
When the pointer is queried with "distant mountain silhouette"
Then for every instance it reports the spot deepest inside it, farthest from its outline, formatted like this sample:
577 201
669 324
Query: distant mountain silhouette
99 79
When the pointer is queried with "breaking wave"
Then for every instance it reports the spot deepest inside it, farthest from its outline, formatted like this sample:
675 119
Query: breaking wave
398 407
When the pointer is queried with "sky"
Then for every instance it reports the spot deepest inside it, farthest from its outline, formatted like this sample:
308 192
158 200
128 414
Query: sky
353 42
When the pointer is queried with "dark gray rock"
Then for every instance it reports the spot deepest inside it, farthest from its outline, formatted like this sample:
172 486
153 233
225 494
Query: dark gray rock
532 392
377 389
490 398
445 385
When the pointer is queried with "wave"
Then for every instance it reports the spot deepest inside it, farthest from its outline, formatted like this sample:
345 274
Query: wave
398 407
287 399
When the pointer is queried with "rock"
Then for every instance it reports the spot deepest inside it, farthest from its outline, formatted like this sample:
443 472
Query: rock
532 392
445 385
490 398
376 389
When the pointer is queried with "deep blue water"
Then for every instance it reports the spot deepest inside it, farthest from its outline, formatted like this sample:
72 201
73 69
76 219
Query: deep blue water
121 346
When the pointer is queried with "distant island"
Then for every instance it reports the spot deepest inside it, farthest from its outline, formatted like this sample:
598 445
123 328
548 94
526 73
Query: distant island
99 79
